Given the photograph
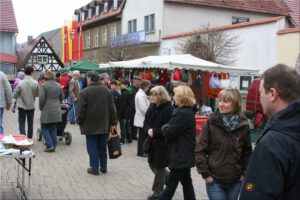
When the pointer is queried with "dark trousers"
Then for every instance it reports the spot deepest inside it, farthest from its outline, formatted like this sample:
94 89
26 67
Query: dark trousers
160 176
184 177
97 149
134 131
49 132
125 125
141 140
23 114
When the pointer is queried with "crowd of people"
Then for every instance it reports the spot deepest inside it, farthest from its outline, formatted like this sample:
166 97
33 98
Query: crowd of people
165 128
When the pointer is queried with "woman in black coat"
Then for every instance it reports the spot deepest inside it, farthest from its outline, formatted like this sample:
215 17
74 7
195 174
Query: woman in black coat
180 133
158 114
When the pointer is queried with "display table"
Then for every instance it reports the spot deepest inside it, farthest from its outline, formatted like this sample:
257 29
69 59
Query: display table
24 160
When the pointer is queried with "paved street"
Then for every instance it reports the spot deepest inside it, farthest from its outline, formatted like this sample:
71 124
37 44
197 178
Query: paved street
62 175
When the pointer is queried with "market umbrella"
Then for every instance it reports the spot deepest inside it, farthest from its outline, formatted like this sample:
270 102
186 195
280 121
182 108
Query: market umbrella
86 66
64 70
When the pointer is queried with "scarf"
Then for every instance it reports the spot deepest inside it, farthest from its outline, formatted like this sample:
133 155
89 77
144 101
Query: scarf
230 122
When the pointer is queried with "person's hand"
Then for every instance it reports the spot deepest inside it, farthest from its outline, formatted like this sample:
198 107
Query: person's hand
209 179
112 127
150 132
242 178
8 107
75 99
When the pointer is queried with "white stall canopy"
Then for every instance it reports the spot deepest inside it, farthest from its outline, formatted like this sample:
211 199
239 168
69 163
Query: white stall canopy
182 61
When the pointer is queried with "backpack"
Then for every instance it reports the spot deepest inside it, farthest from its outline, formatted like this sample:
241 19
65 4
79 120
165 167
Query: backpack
185 75
177 75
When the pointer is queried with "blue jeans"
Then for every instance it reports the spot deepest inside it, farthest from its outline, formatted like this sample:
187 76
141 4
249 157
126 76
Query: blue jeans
125 125
1 120
218 191
184 177
72 112
23 114
49 132
97 149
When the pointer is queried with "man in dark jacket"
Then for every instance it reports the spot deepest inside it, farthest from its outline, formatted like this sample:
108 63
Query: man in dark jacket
126 112
274 169
96 112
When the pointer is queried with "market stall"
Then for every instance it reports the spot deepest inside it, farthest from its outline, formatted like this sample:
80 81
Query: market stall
17 147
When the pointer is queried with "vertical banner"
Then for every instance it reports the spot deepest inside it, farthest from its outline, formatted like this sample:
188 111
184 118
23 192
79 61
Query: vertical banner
66 45
70 40
63 44
75 39
80 49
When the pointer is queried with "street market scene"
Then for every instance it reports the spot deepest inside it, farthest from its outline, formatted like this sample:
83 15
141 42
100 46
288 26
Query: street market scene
150 99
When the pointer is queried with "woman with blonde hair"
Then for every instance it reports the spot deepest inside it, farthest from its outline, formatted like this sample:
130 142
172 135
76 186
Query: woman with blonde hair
224 148
50 98
180 134
158 114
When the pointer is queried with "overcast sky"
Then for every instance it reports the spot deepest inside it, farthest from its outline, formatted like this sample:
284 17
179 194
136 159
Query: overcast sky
37 16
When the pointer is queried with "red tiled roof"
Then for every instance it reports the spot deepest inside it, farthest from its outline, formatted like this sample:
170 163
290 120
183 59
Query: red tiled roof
8 21
8 58
261 6
110 13
294 11
289 30
226 27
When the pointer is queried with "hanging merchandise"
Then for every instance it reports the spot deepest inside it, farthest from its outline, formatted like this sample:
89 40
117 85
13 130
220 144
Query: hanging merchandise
214 81
120 74
115 74
234 81
210 92
225 80
198 80
146 75
127 74
164 76
184 75
154 76
177 75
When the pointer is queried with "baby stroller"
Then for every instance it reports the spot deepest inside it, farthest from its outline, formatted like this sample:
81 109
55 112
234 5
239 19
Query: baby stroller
61 134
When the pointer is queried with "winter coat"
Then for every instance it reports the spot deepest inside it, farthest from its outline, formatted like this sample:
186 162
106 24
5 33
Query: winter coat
50 98
26 92
223 156
5 91
141 105
274 169
126 105
95 110
155 118
180 133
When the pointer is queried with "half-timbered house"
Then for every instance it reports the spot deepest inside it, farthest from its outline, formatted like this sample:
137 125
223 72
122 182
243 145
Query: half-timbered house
39 54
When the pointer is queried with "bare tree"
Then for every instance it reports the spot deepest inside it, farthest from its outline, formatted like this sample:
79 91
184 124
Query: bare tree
212 45
117 54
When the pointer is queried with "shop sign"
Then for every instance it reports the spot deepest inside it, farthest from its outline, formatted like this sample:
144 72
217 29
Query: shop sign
128 39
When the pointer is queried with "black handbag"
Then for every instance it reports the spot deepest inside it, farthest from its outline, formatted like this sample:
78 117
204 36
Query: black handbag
114 146
147 145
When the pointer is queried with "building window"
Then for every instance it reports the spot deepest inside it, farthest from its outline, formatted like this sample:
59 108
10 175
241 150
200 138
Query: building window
114 30
105 9
149 23
97 39
42 59
82 16
105 36
115 4
132 26
97 10
90 13
236 20
89 40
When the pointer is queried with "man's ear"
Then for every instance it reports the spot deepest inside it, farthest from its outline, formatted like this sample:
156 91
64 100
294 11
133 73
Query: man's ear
273 94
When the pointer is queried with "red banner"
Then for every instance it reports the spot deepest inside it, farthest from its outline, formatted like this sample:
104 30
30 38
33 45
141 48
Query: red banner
74 36
66 45
80 48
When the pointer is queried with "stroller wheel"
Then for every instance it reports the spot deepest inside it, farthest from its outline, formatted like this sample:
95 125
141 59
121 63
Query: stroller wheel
68 138
39 134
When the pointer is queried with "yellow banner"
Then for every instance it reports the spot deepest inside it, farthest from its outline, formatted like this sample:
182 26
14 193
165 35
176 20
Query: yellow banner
63 44
70 39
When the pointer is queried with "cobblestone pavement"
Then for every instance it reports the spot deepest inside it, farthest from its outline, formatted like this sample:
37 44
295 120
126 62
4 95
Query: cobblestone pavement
62 175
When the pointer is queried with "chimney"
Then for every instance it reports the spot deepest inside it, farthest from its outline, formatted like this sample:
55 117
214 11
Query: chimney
29 39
